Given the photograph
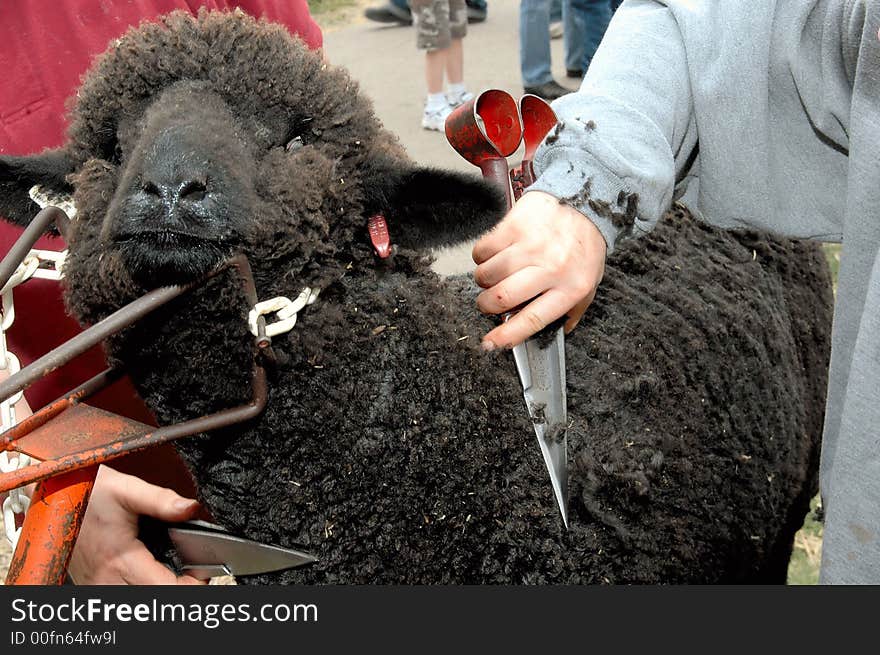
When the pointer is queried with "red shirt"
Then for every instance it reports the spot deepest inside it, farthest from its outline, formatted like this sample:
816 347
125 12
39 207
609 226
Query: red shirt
47 46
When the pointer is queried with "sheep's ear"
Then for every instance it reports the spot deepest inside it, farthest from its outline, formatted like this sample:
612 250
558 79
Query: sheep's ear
18 175
429 208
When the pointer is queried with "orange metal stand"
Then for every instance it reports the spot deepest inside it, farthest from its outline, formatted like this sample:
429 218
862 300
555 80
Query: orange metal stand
50 529
71 438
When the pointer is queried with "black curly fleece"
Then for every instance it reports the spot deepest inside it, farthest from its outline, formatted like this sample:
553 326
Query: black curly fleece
394 448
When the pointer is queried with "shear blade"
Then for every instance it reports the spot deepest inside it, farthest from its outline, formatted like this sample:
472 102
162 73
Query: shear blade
207 550
542 373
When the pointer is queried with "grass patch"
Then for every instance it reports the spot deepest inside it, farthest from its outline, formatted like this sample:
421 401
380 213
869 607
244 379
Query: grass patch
803 569
832 254
322 7
332 15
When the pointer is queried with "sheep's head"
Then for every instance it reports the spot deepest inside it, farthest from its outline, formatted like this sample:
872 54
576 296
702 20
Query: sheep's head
197 138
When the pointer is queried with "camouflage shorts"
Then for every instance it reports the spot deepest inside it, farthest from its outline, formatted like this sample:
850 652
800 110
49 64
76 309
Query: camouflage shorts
438 22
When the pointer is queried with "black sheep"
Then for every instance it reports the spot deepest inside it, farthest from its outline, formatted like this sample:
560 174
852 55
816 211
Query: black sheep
392 447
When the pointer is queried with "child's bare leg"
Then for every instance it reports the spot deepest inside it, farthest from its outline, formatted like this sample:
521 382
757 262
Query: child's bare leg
457 92
435 64
455 62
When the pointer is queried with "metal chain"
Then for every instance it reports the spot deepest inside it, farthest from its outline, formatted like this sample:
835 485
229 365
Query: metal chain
17 501
284 308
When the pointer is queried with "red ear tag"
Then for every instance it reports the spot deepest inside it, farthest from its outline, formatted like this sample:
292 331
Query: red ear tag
378 228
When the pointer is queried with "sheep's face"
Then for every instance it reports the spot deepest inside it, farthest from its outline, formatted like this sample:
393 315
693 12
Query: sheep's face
185 192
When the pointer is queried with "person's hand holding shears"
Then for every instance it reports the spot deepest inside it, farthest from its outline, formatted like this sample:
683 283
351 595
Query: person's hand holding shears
542 261
543 252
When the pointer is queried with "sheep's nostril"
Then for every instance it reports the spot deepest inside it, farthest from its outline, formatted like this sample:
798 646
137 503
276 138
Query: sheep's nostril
193 191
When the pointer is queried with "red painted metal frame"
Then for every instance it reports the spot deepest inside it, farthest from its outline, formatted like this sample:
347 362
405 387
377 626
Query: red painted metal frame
72 439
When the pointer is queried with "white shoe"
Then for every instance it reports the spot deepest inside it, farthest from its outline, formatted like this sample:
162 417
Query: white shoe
435 119
456 99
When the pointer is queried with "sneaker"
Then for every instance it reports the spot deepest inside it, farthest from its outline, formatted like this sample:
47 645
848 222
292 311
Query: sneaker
389 13
556 30
475 14
435 119
456 99
549 91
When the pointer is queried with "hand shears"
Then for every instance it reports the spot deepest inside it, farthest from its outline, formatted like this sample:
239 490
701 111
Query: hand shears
207 550
485 131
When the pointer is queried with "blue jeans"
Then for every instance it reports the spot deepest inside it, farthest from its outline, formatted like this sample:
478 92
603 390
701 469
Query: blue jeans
585 26
476 4
534 41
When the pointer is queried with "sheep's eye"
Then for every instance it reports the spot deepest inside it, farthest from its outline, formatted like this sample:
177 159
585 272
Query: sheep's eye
294 144
115 157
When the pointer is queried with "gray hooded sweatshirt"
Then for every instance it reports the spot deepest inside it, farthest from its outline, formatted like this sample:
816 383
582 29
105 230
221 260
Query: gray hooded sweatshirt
760 114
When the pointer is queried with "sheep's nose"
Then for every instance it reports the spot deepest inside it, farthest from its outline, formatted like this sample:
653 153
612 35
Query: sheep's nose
188 191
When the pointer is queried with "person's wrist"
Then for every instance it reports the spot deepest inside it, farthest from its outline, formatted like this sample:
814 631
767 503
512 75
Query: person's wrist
597 240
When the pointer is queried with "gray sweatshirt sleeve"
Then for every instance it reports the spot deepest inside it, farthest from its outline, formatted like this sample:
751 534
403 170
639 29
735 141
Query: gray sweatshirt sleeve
626 136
